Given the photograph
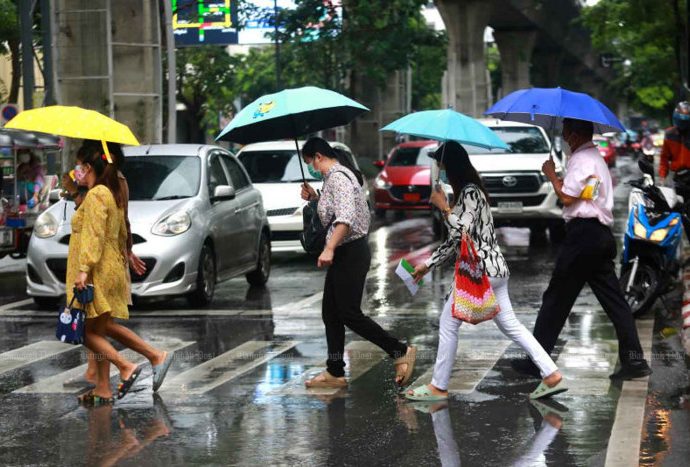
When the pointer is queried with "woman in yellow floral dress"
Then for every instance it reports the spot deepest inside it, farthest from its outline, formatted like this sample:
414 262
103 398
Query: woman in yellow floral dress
95 257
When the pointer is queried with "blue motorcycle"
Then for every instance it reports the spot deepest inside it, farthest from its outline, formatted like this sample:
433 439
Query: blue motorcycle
650 262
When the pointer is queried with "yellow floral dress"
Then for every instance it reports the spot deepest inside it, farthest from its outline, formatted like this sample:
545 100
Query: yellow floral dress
99 237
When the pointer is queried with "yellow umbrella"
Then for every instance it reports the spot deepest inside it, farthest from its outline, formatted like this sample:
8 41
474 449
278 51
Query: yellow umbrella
74 122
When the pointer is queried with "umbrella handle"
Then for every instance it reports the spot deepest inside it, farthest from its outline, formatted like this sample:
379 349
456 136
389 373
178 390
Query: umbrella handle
299 156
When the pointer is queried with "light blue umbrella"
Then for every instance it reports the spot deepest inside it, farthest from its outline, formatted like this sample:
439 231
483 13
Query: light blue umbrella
547 107
291 113
446 125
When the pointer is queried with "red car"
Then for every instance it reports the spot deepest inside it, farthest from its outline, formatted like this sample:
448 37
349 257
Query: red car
606 149
405 181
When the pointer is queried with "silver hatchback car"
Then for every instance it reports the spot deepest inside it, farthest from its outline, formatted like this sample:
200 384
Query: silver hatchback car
196 219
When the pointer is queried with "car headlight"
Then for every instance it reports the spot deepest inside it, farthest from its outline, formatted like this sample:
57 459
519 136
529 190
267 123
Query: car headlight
381 183
173 224
46 226
658 235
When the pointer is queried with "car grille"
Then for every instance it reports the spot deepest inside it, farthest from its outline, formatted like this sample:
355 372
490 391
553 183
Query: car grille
136 239
527 201
399 191
281 212
512 183
150 264
285 235
58 266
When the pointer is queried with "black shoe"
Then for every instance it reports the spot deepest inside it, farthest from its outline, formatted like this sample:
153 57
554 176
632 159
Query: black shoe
526 367
632 371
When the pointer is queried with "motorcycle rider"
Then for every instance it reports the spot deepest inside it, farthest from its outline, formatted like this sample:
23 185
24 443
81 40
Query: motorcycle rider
675 153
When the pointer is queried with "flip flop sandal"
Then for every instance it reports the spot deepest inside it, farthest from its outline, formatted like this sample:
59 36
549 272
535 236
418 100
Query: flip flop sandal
124 387
159 371
329 381
543 390
409 358
424 394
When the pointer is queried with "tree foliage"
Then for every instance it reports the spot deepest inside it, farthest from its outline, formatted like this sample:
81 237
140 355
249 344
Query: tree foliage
9 44
644 36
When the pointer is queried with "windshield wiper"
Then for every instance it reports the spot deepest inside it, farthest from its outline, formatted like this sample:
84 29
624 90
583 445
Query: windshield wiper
168 198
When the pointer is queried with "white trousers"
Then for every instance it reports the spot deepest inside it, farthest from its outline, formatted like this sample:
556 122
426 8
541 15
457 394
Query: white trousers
506 322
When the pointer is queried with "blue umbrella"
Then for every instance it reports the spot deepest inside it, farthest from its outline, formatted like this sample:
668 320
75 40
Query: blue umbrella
447 125
547 107
290 114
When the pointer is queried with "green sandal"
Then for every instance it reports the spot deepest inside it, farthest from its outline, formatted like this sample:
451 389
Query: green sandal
424 394
543 390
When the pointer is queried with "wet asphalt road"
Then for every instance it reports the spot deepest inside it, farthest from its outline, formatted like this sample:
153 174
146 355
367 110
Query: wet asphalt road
234 395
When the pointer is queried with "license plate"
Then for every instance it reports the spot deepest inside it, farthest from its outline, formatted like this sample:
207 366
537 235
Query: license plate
6 238
510 206
412 196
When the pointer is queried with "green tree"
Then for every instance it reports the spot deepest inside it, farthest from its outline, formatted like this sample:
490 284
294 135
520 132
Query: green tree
9 44
333 46
645 35
206 87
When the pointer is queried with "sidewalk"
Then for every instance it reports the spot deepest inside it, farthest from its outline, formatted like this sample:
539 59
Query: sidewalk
685 334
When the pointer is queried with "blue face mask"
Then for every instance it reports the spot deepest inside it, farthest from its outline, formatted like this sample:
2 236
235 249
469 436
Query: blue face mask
313 172
442 176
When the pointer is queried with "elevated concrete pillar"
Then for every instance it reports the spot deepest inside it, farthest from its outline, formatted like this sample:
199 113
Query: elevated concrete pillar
466 86
516 49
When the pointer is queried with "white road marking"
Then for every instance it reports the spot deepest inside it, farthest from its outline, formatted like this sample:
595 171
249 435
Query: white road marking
360 357
626 433
225 367
31 353
586 366
55 384
10 306
475 357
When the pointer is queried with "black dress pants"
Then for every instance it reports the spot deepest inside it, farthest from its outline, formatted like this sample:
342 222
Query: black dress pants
342 298
587 256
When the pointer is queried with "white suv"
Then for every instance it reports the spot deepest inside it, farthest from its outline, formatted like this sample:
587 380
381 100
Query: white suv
520 195
273 167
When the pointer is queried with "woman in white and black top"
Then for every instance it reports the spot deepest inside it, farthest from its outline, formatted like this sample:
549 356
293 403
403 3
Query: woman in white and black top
471 215
343 205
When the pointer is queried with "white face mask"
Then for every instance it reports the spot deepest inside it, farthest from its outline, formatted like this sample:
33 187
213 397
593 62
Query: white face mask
24 158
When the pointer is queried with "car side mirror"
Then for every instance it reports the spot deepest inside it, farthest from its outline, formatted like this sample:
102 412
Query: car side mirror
379 163
223 192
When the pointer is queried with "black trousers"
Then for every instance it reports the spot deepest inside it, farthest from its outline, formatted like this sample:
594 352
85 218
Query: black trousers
342 298
586 256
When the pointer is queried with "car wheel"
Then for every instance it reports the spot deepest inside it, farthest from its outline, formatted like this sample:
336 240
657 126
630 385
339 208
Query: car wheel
380 213
205 278
259 276
46 303
557 233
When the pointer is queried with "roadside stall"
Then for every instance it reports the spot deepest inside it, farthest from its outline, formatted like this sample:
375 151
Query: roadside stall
30 163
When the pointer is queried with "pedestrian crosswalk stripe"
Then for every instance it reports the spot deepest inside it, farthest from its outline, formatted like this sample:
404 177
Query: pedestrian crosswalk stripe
31 353
475 357
225 367
55 384
360 357
586 365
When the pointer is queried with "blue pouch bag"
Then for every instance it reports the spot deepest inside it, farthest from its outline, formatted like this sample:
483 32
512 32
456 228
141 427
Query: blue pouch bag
72 320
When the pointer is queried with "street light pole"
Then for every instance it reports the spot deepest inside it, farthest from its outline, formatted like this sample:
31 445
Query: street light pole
25 23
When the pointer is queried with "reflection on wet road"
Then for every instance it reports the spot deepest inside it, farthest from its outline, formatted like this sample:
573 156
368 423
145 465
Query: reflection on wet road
235 393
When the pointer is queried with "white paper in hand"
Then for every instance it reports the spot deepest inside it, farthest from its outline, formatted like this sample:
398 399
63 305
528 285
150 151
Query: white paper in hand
404 272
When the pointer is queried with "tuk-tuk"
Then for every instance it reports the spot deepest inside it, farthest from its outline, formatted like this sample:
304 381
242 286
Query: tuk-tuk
25 185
